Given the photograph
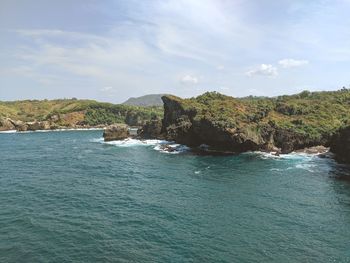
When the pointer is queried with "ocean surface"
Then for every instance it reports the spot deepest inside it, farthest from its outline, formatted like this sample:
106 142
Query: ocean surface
69 197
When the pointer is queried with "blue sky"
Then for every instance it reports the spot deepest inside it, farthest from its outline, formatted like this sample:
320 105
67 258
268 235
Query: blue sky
111 50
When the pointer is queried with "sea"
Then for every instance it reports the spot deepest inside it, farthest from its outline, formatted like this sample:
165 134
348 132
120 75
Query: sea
67 196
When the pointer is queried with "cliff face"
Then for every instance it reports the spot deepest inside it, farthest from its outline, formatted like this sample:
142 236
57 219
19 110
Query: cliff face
184 124
229 124
340 145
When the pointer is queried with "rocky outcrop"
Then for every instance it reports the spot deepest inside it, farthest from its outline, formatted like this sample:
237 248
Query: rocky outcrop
340 145
116 132
288 141
6 124
151 130
194 125
320 149
9 124
181 124
38 125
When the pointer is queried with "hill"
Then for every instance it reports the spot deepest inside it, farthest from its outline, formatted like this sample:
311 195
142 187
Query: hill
73 112
146 101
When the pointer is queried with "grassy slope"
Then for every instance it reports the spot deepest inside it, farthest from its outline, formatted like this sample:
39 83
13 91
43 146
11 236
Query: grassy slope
94 112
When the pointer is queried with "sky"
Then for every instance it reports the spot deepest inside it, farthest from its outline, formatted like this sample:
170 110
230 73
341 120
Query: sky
115 49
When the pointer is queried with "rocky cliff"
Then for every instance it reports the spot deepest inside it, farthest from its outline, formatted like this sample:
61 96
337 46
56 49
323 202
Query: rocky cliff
224 123
340 145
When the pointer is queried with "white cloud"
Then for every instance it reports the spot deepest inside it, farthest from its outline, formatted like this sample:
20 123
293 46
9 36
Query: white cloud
224 88
107 89
189 79
263 70
292 63
86 56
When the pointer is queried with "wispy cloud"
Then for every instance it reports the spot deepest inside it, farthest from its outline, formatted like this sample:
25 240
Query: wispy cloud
263 70
292 63
107 89
189 79
90 56
164 46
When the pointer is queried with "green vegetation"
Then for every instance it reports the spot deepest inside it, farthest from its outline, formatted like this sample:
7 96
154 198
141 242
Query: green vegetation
312 114
69 112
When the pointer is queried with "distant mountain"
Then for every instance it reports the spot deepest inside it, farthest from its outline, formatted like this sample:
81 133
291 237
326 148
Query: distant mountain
145 101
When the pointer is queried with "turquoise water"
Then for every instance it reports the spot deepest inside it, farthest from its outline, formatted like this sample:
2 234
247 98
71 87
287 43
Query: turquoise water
68 197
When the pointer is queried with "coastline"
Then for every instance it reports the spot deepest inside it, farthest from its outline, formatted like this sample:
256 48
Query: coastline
54 130
168 146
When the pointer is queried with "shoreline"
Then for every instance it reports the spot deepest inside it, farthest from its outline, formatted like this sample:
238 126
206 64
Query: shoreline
166 146
52 130
63 129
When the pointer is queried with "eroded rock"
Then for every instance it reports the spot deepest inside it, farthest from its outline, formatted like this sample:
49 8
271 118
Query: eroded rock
151 130
340 145
6 124
116 132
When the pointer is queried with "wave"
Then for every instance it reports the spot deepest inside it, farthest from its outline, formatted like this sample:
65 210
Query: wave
159 145
172 148
306 166
55 130
8 131
292 155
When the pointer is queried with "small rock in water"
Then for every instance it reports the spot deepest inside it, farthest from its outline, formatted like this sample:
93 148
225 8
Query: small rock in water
167 148
116 132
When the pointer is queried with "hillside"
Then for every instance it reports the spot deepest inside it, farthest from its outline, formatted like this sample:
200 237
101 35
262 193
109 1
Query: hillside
253 123
73 112
146 101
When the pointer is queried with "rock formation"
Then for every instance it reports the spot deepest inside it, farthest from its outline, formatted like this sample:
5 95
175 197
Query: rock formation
340 145
116 132
151 130
197 121
6 124
38 125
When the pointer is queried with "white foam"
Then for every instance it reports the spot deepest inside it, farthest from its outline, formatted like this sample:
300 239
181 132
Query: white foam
134 142
292 155
9 131
306 166
266 155
159 145
175 148
54 130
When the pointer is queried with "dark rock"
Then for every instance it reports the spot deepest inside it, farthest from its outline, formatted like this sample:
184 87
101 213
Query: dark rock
151 130
340 145
116 132
289 141
167 148
181 125
186 123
